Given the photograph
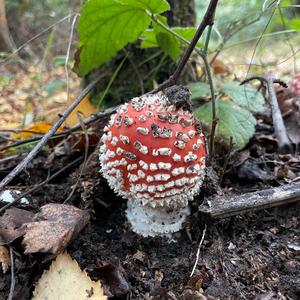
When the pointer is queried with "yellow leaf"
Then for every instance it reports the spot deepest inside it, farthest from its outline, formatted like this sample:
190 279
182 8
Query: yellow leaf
85 108
65 281
31 130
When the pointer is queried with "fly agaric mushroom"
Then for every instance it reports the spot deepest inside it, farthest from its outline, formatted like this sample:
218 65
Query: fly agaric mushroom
153 154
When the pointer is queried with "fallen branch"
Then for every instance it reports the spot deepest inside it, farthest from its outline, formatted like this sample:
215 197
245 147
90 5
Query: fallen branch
226 206
284 143
23 164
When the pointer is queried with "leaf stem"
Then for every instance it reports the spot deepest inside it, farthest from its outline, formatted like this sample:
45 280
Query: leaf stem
206 21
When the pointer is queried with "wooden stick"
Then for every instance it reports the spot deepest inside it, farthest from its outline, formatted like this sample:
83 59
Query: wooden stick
226 206
284 143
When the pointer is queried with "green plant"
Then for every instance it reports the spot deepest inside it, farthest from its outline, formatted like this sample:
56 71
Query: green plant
235 106
107 26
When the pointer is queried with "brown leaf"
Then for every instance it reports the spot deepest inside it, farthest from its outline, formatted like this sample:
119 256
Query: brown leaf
4 259
289 104
57 226
11 224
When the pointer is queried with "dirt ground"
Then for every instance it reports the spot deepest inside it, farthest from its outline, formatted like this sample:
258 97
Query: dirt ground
253 256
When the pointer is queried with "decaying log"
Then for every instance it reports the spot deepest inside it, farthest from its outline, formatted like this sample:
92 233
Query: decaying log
230 205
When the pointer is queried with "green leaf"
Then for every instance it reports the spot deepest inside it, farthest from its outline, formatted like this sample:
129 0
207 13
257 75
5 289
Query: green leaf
186 32
168 42
149 39
154 6
234 121
198 89
106 26
244 96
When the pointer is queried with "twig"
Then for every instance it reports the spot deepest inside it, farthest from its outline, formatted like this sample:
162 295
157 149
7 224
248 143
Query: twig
198 250
230 205
214 119
68 54
284 143
206 21
86 151
23 164
12 275
39 185
87 121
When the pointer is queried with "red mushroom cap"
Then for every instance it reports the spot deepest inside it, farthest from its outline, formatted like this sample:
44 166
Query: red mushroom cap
153 152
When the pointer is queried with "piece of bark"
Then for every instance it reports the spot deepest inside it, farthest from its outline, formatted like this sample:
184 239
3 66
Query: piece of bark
231 205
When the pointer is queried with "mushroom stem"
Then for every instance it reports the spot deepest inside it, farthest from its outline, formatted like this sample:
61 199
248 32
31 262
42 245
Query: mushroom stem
158 221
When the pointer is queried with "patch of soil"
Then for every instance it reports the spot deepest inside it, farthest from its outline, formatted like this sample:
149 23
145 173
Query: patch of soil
255 256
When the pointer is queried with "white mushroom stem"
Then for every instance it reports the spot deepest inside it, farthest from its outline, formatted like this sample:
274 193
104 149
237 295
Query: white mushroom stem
158 221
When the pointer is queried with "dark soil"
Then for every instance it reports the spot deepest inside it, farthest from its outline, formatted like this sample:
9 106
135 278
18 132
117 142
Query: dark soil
255 256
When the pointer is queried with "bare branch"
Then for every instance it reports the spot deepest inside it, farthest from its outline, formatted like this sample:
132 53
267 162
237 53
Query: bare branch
284 143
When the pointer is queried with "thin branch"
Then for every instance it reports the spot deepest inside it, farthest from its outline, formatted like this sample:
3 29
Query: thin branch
23 164
284 143
68 54
12 275
86 151
198 250
214 119
206 21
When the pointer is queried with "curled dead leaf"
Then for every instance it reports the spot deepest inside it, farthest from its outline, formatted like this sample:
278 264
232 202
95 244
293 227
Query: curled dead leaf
56 226
11 224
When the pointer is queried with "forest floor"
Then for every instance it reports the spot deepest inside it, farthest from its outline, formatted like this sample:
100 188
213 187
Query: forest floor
251 256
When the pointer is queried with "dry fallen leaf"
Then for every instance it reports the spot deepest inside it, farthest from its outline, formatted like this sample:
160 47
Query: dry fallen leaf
65 281
4 259
11 224
84 107
31 130
56 226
